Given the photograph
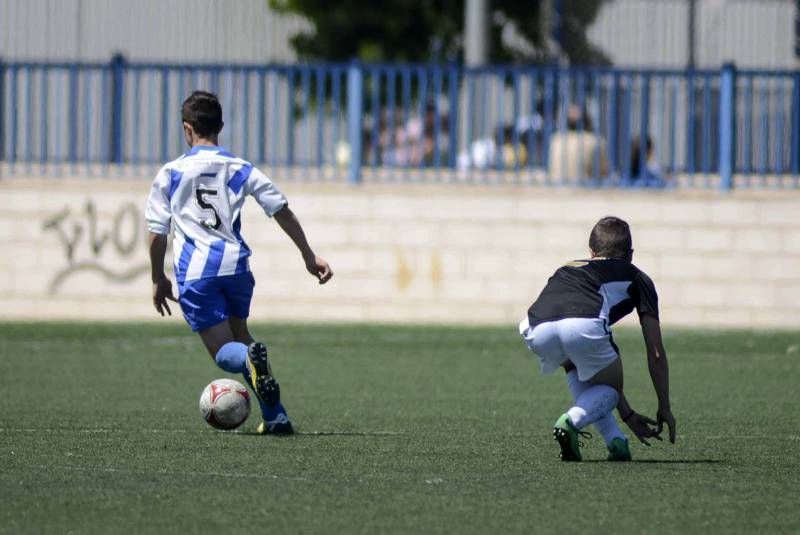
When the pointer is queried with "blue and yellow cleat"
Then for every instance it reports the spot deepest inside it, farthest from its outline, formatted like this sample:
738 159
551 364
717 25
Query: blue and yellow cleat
619 451
279 426
567 436
261 379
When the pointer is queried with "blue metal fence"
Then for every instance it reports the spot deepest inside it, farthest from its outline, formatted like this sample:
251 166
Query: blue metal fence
539 125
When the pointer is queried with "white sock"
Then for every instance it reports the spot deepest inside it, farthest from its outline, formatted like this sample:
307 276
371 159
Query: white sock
607 425
609 429
593 403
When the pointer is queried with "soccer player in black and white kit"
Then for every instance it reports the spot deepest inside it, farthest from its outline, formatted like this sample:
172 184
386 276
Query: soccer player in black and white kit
569 326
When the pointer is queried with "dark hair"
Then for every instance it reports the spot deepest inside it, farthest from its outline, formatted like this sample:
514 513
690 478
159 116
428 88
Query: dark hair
611 237
577 117
203 111
636 154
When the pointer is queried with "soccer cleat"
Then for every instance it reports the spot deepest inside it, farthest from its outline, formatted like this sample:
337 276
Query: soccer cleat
279 426
619 450
261 379
567 436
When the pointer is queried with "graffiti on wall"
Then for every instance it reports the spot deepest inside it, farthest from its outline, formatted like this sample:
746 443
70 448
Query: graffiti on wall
108 249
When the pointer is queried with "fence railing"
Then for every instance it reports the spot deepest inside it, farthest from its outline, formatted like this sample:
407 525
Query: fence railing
428 123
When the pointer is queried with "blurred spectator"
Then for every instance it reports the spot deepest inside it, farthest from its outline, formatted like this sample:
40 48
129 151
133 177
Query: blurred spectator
399 143
413 143
577 154
484 153
648 175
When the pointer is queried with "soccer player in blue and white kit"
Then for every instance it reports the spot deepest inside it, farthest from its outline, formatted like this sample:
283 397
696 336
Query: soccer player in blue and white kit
569 326
200 195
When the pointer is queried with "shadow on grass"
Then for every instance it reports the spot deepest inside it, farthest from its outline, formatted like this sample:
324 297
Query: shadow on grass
660 461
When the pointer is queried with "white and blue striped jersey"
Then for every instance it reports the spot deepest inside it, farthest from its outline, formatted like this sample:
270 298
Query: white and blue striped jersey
201 194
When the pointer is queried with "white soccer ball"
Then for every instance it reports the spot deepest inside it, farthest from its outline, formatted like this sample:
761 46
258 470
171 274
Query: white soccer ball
225 404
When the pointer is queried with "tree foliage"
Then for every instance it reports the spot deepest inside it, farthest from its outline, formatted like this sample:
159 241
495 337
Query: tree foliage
415 31
577 16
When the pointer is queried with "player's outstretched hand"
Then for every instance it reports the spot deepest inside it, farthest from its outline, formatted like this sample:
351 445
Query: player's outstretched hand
640 425
162 290
319 268
664 416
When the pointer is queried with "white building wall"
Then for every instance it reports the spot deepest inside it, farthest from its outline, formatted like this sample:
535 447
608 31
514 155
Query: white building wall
146 30
752 33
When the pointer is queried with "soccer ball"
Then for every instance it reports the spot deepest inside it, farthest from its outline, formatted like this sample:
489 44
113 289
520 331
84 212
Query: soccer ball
225 404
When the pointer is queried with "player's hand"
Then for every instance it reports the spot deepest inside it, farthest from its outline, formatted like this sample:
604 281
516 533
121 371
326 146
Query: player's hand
162 290
640 425
664 416
319 268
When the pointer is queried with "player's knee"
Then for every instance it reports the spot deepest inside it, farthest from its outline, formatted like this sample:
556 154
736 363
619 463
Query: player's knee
613 394
231 357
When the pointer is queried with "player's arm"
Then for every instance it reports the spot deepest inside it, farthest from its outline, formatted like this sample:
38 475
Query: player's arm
275 205
291 226
659 371
162 286
159 217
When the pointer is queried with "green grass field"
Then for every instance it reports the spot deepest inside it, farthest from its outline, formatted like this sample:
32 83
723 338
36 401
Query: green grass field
401 429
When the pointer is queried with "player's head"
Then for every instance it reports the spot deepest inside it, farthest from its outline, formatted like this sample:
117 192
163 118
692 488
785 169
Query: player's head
202 116
611 238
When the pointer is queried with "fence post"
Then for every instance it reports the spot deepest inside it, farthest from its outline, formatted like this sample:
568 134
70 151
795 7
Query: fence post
2 110
795 137
355 111
290 110
12 130
644 125
453 115
165 109
613 125
117 95
727 120
72 113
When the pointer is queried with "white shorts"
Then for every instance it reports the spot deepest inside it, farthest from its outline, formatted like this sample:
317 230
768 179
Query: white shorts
586 342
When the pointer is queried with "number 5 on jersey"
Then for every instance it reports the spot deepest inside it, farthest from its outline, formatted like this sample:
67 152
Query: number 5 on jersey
200 197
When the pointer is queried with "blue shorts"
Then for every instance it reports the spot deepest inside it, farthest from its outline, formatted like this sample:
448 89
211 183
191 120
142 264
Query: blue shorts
207 302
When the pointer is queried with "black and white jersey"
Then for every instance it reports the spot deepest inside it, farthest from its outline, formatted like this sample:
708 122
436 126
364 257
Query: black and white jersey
606 288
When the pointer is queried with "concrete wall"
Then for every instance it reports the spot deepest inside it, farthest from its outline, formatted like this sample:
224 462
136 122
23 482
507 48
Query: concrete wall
75 249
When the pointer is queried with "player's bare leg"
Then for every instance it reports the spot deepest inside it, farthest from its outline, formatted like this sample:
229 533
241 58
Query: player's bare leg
275 420
262 380
240 331
611 375
597 401
614 438
215 337
228 353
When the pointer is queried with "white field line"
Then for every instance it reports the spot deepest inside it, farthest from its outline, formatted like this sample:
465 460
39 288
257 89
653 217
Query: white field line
740 437
90 430
189 473
184 431
314 433
352 433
